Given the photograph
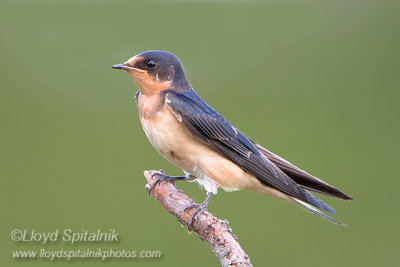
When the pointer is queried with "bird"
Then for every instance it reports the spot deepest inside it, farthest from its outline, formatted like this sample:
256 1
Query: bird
190 134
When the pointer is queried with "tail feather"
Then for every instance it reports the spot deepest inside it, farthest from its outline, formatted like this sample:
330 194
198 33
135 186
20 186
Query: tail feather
319 203
301 177
311 209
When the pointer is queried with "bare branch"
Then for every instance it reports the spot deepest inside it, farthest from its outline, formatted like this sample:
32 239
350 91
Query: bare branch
216 232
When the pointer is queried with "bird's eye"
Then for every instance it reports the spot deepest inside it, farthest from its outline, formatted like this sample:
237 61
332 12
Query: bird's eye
150 64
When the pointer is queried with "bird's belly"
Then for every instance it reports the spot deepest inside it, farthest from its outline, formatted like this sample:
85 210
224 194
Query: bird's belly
170 139
173 141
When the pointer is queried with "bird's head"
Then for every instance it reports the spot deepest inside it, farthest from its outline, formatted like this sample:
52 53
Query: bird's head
155 71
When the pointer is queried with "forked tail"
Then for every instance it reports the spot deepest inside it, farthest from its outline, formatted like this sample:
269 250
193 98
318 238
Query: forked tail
311 209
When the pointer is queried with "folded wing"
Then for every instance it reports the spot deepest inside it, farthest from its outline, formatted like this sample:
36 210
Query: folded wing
210 127
302 178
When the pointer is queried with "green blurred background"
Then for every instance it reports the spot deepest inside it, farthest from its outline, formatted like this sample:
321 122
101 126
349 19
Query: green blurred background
316 82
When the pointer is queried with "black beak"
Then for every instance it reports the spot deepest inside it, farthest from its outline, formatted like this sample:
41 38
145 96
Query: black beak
120 66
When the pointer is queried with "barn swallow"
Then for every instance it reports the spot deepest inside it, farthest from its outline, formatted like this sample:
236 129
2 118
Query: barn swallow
194 137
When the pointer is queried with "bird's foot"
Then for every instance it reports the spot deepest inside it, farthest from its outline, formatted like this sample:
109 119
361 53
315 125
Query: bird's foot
163 177
200 208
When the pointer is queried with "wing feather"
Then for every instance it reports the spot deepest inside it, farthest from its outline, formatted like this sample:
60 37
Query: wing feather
210 127
301 177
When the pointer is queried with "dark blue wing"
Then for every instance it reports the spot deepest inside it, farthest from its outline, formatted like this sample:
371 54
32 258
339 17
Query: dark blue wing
210 127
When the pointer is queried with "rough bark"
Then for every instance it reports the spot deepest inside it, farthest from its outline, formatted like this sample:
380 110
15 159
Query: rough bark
209 228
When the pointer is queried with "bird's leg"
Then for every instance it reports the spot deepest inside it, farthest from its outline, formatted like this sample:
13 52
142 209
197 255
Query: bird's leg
163 177
200 208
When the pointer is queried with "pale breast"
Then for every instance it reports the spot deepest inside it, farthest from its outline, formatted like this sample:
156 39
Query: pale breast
174 142
171 139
